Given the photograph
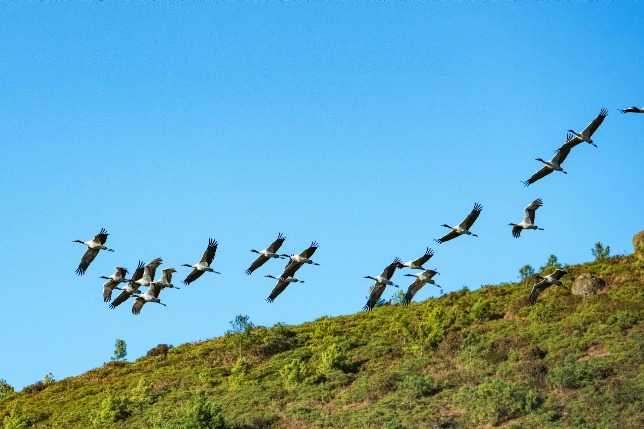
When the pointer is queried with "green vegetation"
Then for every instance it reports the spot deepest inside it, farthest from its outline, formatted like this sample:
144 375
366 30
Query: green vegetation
120 351
467 359
600 252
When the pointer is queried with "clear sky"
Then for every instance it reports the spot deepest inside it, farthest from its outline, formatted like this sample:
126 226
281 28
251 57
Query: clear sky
362 126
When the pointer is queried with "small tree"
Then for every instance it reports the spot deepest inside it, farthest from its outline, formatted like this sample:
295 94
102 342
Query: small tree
241 327
398 297
120 350
203 414
552 262
525 272
600 252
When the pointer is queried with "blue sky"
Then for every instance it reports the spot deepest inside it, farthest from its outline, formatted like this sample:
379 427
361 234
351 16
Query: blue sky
364 127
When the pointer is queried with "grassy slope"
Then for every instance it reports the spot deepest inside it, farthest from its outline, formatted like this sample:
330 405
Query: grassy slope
467 359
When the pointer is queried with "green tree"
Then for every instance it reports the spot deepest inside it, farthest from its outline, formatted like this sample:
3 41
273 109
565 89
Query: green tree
49 379
5 388
398 297
551 263
120 350
526 272
242 329
600 252
203 414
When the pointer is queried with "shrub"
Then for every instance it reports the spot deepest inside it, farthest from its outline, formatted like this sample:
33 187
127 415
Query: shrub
571 374
419 385
203 414
623 320
5 389
294 373
113 409
278 338
481 310
526 272
551 264
160 350
35 388
492 401
334 357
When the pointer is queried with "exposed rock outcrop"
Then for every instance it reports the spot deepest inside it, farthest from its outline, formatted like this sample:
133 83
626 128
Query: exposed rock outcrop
638 244
587 284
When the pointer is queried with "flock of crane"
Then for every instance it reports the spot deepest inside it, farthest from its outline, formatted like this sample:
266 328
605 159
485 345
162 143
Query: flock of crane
145 273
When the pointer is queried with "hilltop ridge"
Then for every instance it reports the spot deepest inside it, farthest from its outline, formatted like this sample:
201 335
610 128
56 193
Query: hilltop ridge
480 358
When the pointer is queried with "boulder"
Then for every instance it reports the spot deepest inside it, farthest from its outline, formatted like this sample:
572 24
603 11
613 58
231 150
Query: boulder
638 244
587 284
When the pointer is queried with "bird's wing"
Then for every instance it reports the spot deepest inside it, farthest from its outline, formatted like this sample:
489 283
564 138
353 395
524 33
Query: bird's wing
571 141
279 288
123 296
151 268
261 260
101 237
138 273
209 254
275 246
168 275
389 270
432 273
448 237
471 218
592 127
375 295
310 251
428 254
121 271
559 274
194 275
412 289
108 287
516 231
155 289
530 209
290 269
138 305
87 259
543 172
536 290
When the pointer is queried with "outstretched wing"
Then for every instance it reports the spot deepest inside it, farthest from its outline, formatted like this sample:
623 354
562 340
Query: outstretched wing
516 231
275 246
559 273
138 305
194 275
311 250
562 154
428 254
530 209
543 172
571 141
412 289
290 269
592 127
261 260
101 237
209 254
447 237
471 218
389 270
375 295
123 296
87 259
138 273
108 287
279 288
536 290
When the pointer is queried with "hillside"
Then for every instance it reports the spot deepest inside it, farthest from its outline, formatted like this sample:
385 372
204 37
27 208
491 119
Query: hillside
467 359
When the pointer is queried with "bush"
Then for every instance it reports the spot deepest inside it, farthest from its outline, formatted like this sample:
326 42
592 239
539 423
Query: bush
113 409
334 357
294 372
525 272
623 320
492 401
203 414
571 374
481 310
278 338
419 385
5 389
160 350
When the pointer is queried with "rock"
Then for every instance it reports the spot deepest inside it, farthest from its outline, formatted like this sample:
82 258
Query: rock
587 284
638 244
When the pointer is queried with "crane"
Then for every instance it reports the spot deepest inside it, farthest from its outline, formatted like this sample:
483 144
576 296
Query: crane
93 247
112 282
266 254
528 219
545 283
296 261
282 282
463 227
586 134
552 165
203 265
421 280
418 263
